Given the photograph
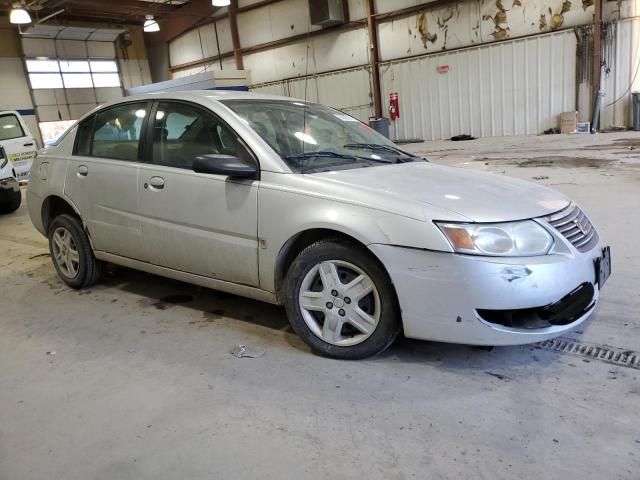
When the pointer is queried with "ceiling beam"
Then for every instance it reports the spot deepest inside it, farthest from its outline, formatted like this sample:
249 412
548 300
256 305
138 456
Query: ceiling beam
182 19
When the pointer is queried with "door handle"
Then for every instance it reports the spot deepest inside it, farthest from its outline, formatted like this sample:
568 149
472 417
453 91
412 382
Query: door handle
28 144
156 183
83 170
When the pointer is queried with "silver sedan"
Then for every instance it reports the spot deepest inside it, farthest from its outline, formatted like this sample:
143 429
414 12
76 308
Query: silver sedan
298 204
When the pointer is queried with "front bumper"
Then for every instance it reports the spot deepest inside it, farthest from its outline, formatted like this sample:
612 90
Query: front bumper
9 188
441 293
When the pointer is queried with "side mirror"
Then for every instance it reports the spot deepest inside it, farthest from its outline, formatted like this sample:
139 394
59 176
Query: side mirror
224 165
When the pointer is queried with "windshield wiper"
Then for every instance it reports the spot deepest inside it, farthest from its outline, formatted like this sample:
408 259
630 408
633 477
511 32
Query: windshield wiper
329 154
380 148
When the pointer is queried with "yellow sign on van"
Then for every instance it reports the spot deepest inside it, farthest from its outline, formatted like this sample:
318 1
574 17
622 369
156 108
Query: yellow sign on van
21 158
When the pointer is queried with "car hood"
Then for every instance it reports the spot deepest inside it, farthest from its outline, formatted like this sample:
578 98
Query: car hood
478 196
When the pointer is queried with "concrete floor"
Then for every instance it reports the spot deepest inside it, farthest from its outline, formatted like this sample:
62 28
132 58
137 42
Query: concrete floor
117 383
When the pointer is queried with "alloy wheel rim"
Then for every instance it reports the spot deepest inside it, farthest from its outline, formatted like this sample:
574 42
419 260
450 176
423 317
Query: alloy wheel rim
339 303
65 252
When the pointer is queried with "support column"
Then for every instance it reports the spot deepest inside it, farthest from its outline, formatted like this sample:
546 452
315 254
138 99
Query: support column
597 42
235 38
374 58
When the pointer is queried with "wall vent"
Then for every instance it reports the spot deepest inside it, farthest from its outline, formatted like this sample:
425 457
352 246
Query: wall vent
327 13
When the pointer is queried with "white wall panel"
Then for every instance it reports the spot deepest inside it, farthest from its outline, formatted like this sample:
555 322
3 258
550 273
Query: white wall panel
282 19
469 23
208 34
347 90
227 64
357 9
334 51
624 77
513 87
201 43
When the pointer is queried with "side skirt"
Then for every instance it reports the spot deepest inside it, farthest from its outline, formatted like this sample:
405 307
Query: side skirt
221 285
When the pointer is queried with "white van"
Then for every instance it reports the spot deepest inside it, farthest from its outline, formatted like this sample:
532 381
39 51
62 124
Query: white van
18 144
10 196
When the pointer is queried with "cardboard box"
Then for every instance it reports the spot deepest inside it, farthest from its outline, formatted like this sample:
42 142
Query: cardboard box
568 122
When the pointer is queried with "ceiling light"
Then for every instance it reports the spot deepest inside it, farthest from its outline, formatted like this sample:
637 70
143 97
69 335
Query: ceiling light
150 25
220 3
19 15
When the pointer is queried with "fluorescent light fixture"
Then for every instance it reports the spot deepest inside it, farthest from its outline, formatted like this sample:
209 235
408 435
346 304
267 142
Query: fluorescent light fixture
18 15
150 25
220 3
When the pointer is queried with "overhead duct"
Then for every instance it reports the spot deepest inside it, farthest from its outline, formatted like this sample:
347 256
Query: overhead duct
327 13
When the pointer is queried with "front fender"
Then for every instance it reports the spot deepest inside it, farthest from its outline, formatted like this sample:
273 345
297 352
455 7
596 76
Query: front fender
285 212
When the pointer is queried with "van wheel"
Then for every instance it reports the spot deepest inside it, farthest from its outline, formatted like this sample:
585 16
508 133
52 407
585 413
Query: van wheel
340 300
13 204
71 252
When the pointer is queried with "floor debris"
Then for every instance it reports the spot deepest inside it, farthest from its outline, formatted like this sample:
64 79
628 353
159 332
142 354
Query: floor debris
241 351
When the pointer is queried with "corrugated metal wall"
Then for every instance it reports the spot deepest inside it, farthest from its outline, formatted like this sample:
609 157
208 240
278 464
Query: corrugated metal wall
509 88
624 77
347 90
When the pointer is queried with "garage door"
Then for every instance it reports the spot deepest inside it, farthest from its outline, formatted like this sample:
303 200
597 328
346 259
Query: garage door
508 88
71 77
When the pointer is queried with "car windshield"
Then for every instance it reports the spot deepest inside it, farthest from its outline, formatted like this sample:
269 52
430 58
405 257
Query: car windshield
10 127
315 138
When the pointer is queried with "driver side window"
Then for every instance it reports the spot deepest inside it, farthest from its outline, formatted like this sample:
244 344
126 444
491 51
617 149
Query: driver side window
182 132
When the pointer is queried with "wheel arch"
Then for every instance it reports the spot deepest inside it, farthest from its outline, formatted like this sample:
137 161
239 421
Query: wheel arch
301 240
55 205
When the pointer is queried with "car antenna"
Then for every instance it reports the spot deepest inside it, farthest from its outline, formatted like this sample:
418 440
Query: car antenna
304 107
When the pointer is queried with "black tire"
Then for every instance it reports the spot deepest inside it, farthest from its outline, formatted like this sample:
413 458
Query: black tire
89 268
388 325
12 204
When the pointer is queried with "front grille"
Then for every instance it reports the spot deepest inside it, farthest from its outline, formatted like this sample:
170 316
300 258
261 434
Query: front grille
574 225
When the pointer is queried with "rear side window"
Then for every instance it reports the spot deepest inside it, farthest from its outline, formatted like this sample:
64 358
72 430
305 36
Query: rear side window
113 133
10 127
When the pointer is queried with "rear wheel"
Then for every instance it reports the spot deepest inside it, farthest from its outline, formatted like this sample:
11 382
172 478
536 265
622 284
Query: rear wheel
13 203
340 300
71 252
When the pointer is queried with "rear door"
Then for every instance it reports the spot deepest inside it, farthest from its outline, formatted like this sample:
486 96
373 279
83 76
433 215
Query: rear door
102 178
17 142
193 222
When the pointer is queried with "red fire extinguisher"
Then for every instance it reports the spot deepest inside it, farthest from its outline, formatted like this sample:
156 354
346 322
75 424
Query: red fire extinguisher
394 106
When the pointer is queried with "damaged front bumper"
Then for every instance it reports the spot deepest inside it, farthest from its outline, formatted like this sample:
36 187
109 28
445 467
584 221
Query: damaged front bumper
474 300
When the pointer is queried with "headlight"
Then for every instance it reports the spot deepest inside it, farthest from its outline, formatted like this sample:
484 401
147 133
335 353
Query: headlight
513 239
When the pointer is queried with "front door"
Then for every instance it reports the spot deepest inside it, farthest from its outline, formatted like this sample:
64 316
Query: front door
102 178
197 223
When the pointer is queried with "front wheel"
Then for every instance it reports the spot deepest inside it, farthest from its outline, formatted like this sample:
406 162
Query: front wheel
340 301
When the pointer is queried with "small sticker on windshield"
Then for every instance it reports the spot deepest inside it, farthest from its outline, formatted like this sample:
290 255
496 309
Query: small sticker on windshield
344 118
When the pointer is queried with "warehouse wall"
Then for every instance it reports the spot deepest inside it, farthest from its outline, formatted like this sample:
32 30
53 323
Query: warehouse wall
518 55
14 94
624 75
509 88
